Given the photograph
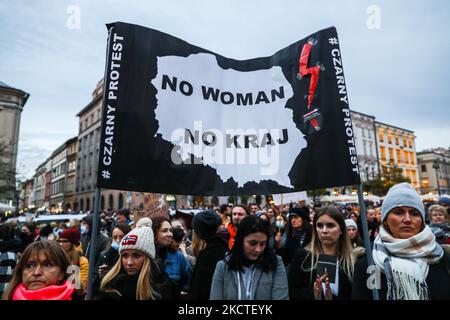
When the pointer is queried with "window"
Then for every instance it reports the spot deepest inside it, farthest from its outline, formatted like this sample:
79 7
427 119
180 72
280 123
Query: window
399 158
120 200
111 202
425 183
411 154
396 141
423 168
389 138
391 155
383 153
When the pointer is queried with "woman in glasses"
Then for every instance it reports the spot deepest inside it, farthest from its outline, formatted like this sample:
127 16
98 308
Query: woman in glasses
69 240
41 274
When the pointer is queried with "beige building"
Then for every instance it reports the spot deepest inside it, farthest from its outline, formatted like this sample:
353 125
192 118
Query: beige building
434 168
12 102
396 146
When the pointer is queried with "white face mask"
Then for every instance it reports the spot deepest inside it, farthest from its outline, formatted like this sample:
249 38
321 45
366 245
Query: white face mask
84 229
279 224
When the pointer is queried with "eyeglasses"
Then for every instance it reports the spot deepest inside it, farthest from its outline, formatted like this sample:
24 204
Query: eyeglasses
62 240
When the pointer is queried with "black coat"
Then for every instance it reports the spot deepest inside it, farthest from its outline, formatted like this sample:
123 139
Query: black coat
301 282
126 285
205 266
289 248
102 244
438 281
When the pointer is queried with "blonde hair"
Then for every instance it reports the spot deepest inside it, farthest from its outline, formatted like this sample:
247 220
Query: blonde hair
344 249
198 244
144 290
437 207
74 223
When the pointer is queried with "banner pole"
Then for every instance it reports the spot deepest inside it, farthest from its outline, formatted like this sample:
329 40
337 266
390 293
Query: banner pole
363 217
95 227
93 243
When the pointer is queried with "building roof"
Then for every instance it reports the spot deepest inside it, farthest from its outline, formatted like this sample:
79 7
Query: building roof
63 146
8 87
92 103
363 114
389 125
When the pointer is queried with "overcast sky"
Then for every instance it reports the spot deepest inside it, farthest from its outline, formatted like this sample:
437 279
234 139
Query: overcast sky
398 72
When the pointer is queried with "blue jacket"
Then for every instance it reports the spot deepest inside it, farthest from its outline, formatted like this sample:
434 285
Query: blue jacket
178 270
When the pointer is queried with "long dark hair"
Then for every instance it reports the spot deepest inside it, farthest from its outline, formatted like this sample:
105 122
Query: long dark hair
251 224
306 227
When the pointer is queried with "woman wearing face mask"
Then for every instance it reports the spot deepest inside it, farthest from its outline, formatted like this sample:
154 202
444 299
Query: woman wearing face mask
175 263
41 275
329 238
138 274
280 231
298 234
251 271
69 239
109 257
27 236
412 265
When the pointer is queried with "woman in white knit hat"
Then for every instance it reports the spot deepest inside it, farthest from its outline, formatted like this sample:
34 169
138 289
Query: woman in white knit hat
411 265
137 275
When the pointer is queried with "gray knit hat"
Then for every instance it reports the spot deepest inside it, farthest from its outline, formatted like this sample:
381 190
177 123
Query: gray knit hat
399 195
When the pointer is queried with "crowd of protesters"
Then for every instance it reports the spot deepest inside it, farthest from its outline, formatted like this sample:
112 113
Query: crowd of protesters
236 252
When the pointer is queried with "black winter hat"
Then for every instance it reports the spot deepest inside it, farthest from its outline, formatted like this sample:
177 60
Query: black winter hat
205 224
300 211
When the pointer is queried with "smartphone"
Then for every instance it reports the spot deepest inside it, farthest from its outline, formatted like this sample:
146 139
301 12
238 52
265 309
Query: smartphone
327 264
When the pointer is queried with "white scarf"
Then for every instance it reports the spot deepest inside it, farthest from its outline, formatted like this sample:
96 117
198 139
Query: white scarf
405 262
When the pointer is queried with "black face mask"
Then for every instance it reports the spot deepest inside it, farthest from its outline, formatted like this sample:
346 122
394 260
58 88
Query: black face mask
178 234
24 235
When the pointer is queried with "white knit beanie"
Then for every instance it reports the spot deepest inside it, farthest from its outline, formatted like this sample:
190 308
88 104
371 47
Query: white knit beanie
351 223
140 238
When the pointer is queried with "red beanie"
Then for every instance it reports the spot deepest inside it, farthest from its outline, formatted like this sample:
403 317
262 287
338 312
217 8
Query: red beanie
71 234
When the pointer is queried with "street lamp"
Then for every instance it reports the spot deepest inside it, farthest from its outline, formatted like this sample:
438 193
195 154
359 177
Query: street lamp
436 167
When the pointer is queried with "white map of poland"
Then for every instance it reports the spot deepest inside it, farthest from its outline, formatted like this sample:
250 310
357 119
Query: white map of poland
239 138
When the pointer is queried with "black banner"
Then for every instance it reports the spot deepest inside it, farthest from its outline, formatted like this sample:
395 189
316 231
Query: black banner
180 119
